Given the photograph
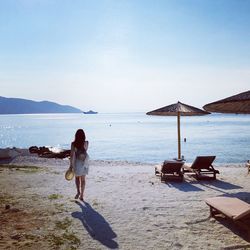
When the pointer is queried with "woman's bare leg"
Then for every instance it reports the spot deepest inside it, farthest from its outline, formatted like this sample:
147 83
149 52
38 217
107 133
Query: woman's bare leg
82 186
77 181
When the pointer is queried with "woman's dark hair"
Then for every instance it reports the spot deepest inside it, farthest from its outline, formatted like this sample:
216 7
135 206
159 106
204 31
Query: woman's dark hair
79 139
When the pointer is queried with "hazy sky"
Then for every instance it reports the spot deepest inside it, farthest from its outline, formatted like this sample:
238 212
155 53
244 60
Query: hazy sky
124 55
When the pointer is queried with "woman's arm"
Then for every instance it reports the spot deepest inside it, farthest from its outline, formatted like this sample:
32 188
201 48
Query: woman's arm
86 145
72 151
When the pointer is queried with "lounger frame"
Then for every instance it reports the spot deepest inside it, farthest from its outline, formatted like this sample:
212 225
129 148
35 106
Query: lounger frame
216 210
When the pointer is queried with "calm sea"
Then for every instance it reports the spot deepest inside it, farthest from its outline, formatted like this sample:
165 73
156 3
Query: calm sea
134 136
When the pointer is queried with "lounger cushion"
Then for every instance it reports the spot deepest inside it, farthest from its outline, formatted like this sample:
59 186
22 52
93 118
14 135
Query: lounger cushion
233 208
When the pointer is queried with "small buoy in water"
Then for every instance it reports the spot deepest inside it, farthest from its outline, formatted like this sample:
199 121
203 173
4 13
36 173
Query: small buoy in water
185 139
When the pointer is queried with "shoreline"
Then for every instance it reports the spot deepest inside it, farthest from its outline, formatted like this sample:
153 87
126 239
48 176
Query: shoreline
8 155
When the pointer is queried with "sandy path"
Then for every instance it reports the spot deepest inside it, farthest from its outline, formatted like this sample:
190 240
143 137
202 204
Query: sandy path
126 207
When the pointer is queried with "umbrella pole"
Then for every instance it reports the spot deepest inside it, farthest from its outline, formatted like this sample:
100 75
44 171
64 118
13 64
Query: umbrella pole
179 136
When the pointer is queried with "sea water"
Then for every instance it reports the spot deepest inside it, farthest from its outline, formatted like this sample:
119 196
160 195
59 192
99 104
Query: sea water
134 137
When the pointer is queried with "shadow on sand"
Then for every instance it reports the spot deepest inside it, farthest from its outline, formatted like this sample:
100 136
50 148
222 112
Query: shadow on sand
222 185
188 185
245 196
97 227
184 186
218 185
236 229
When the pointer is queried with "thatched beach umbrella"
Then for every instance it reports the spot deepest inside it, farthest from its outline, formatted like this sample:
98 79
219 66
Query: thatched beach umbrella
239 104
178 109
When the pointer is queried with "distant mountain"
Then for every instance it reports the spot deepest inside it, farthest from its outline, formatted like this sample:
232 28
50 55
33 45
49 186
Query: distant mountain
23 106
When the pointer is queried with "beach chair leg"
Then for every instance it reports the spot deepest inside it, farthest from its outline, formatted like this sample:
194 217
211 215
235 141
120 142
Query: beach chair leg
212 211
181 177
161 177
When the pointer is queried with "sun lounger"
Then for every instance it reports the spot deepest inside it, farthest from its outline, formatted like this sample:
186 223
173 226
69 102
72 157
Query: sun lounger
202 167
170 170
233 208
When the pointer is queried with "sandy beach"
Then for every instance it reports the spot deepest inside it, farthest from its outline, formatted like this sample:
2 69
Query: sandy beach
126 207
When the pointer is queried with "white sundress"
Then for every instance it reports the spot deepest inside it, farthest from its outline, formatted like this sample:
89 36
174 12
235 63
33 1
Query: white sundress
80 165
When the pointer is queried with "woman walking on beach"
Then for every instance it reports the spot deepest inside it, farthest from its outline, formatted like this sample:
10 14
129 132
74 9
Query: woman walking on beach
79 162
